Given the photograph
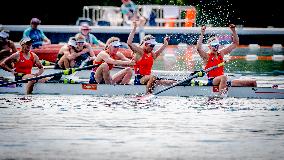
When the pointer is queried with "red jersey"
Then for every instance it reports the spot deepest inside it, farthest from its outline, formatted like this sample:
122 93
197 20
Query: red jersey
144 65
213 61
24 65
110 66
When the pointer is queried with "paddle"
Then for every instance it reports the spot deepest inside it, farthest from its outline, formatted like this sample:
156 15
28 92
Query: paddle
197 74
64 72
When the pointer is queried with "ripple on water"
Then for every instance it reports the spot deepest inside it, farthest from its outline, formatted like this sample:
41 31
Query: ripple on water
163 127
198 103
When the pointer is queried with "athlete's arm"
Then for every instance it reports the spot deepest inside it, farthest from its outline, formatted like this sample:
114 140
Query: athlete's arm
200 51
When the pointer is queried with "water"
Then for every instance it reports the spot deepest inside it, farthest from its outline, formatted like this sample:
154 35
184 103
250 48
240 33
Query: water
89 127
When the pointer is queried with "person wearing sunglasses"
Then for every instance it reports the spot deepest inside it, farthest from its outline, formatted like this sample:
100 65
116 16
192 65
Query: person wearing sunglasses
215 56
67 55
24 60
144 55
85 51
85 30
105 61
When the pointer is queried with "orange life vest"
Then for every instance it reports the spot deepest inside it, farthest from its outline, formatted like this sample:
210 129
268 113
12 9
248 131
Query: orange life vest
24 65
144 65
213 61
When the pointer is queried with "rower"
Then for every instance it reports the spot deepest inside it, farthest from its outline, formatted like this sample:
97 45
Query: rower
85 51
215 57
67 55
144 57
7 47
106 59
24 60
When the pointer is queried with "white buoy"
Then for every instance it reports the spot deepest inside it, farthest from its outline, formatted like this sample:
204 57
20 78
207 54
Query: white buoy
278 57
277 47
251 57
254 47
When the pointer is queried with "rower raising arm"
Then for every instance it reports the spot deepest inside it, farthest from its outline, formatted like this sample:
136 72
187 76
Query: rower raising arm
137 50
201 52
144 55
235 41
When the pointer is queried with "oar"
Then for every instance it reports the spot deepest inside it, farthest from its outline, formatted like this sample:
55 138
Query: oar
198 74
64 72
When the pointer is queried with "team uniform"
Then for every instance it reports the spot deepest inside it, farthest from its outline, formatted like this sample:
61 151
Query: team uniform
24 66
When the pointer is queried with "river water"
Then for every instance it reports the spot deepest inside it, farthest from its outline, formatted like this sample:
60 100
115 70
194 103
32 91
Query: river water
90 127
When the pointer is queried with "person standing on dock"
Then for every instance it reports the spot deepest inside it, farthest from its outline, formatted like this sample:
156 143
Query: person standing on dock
215 56
130 13
36 34
24 60
105 61
144 57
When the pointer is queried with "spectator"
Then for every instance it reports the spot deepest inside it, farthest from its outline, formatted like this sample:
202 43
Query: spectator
89 37
130 13
7 47
37 35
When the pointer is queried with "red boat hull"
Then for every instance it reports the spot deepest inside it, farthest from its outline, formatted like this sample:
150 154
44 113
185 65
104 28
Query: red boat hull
49 52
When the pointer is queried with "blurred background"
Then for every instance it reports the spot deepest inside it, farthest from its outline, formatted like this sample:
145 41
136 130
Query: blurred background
66 12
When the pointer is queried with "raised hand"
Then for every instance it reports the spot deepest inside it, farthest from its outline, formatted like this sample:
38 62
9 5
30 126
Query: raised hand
166 40
132 62
203 28
232 27
134 24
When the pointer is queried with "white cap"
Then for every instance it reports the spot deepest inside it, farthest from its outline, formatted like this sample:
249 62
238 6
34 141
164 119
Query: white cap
3 34
72 42
214 42
25 41
151 41
85 26
116 43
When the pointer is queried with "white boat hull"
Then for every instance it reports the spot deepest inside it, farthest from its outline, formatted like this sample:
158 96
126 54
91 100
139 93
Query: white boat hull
111 90
85 74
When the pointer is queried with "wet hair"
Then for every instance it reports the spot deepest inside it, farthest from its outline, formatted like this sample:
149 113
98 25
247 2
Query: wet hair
110 40
146 38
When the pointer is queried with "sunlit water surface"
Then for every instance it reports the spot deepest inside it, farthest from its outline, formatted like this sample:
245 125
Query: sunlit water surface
90 127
